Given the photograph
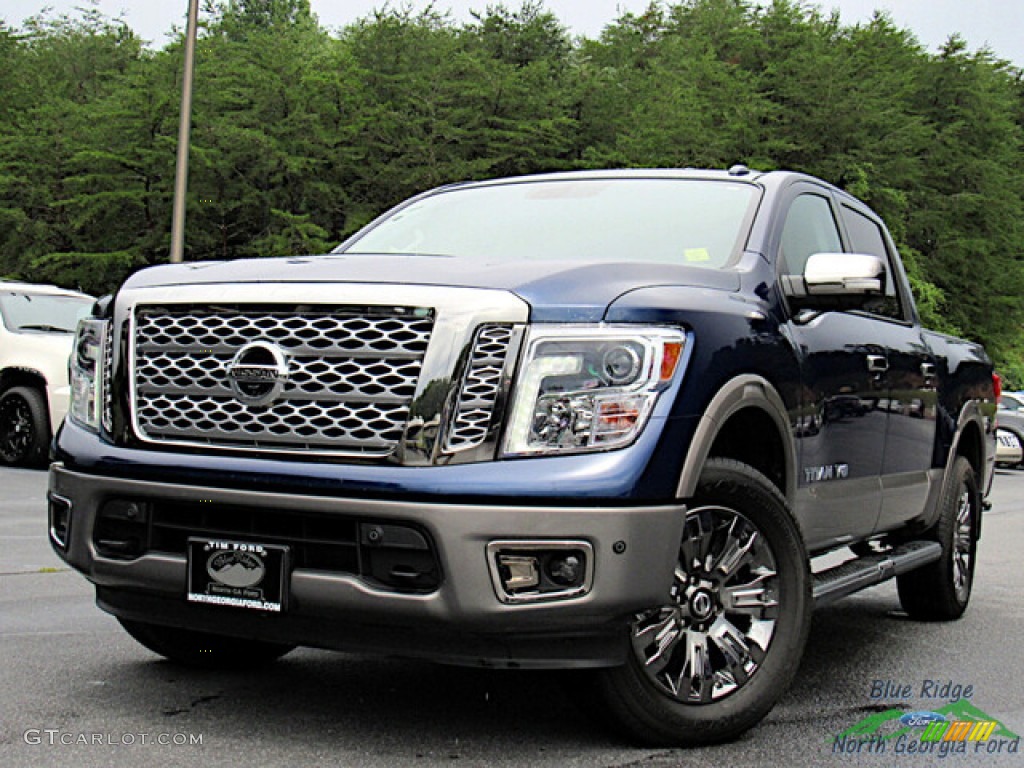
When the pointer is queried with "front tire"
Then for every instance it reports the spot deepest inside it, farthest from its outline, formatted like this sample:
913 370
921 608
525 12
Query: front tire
202 649
24 427
940 591
712 661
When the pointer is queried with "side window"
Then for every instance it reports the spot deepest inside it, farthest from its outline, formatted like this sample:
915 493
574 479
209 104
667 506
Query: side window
810 228
866 237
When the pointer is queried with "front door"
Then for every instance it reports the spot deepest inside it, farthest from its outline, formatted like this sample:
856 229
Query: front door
843 411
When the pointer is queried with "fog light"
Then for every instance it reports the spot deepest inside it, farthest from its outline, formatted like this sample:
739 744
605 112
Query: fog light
518 572
566 570
529 571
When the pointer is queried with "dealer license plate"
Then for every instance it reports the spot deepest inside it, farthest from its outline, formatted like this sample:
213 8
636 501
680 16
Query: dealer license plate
237 573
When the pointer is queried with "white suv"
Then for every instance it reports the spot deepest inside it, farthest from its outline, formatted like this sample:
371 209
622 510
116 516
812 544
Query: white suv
36 336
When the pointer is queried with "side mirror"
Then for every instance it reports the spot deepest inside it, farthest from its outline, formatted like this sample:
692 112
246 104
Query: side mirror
836 281
844 274
102 305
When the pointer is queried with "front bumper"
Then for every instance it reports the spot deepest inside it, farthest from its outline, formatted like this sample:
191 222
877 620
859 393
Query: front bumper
461 621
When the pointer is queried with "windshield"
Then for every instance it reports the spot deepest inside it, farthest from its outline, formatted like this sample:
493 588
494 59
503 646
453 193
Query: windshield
696 222
41 312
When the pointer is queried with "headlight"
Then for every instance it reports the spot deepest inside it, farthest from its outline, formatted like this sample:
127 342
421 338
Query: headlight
588 389
85 369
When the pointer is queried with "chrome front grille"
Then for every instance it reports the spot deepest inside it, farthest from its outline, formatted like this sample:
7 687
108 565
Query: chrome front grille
351 375
480 389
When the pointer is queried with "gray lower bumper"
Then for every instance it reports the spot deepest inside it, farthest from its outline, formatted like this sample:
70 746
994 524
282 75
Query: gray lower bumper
462 621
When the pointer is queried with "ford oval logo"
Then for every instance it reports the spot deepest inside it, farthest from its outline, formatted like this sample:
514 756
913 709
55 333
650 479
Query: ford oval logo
257 373
921 719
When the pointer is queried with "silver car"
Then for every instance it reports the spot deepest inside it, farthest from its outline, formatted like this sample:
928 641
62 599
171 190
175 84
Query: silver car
1011 425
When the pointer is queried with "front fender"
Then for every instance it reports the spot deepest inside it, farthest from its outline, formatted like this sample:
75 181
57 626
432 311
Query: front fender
746 391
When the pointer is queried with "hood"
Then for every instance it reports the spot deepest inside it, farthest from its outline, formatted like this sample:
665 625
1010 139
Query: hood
557 291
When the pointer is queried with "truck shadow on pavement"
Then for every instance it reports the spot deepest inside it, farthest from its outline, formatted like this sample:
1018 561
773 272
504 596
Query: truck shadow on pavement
418 709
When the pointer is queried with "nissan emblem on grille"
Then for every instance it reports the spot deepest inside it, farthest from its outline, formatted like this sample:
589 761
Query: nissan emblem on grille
258 373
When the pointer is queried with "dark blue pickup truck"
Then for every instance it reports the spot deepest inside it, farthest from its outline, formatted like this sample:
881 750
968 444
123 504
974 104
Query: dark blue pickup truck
599 420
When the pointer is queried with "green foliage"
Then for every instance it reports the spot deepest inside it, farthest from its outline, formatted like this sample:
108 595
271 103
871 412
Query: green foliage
300 136
93 273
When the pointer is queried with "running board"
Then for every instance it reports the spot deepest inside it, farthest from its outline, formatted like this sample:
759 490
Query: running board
855 575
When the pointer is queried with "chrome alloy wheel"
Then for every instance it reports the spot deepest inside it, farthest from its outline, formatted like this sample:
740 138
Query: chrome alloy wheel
15 429
963 546
714 635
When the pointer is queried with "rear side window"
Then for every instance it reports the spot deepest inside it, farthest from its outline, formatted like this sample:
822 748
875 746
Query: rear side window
866 237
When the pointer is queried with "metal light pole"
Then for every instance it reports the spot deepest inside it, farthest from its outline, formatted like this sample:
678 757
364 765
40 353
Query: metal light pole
184 128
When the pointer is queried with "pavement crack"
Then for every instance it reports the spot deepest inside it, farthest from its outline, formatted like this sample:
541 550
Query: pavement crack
644 760
205 699
175 711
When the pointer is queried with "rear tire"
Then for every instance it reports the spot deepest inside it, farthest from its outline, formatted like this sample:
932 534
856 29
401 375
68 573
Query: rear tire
940 591
713 661
202 649
24 427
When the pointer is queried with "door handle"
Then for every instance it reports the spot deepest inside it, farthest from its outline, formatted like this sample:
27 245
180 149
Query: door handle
928 370
878 363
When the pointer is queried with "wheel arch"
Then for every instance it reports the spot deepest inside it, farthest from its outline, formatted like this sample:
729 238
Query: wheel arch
969 442
747 421
22 376
19 376
971 446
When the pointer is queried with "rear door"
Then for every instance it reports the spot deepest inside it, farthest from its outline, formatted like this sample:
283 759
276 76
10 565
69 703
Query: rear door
910 376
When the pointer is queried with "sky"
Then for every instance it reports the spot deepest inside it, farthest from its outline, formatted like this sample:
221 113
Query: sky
997 24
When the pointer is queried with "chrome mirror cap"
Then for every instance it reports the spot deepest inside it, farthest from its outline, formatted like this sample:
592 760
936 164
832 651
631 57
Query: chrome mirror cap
844 274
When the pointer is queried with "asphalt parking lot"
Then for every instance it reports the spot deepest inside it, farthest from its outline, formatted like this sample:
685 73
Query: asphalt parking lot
75 690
